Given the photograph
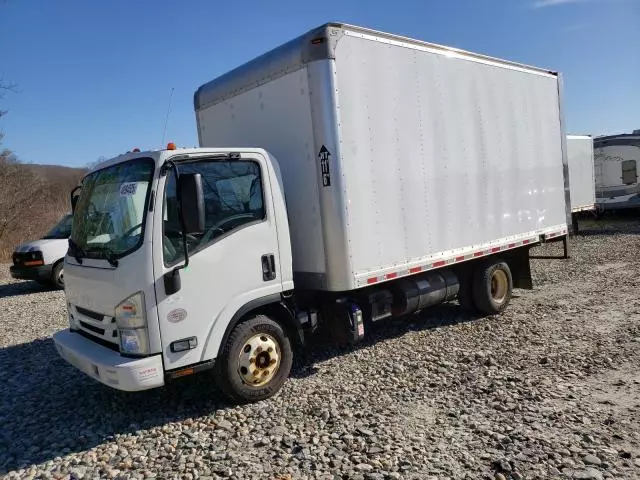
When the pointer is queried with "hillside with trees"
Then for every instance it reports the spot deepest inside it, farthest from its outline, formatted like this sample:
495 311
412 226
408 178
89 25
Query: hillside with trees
32 197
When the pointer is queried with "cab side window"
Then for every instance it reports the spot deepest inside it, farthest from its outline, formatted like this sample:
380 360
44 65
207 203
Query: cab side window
233 199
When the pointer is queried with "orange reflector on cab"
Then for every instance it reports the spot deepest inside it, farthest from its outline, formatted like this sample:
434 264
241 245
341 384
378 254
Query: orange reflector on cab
171 146
183 373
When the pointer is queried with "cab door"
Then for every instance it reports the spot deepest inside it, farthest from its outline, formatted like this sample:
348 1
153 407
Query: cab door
235 261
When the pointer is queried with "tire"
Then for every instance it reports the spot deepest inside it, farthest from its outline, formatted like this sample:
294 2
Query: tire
247 347
492 287
57 276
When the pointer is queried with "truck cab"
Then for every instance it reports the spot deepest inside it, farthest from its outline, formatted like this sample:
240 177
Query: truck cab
150 291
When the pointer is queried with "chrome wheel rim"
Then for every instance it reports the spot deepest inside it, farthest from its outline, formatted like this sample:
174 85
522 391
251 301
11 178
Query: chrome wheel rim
259 360
499 286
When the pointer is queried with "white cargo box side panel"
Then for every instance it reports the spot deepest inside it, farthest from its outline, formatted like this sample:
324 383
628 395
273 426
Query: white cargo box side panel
581 173
441 153
276 116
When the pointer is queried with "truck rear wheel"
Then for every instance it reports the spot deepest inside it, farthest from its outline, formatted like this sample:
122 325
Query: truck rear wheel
492 287
256 360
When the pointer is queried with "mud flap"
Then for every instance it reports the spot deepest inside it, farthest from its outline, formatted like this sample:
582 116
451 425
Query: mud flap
520 268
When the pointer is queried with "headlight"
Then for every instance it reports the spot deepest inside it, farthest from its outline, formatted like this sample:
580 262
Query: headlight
132 325
131 313
135 342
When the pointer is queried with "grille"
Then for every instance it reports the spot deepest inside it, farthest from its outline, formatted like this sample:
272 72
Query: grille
99 327
20 257
86 326
104 343
90 313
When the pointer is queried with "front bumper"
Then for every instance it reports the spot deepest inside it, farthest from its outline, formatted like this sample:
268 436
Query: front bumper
108 366
41 273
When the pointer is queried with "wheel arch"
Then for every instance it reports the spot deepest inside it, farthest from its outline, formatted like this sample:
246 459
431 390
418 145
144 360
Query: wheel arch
275 308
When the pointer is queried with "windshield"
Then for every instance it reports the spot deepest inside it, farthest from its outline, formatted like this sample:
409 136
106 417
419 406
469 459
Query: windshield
62 229
109 217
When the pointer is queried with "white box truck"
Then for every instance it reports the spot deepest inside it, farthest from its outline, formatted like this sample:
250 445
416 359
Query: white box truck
581 173
342 178
582 184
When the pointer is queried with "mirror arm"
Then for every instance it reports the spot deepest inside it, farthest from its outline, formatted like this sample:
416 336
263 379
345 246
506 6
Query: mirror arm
71 197
174 167
172 282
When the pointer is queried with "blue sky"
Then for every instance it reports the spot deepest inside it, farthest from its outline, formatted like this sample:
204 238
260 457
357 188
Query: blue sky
94 78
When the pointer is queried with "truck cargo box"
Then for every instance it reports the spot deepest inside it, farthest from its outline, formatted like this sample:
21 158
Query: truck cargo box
396 155
581 173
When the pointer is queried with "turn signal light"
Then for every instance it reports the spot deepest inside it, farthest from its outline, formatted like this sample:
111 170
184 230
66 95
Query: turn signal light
183 373
32 263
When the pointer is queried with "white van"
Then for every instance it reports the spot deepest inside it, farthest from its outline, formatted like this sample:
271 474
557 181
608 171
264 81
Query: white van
43 260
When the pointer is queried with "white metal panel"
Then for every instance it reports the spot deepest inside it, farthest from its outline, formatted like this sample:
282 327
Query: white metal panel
443 153
609 159
276 116
611 191
581 172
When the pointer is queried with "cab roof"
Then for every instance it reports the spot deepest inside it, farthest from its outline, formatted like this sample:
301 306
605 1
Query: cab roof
162 155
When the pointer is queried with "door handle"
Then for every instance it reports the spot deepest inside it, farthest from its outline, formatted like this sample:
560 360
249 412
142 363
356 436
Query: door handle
268 262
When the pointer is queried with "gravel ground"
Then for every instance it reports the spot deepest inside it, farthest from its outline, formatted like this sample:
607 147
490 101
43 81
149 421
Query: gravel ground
549 389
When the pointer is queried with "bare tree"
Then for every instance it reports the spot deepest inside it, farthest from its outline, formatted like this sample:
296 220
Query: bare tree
5 87
22 192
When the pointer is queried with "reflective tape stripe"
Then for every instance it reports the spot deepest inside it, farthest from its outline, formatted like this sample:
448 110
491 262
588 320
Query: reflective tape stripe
460 258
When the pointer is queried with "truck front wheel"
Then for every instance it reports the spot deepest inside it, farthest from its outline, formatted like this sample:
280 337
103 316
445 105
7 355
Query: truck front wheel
492 287
255 361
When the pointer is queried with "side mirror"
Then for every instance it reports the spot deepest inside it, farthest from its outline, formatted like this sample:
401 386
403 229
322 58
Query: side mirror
191 198
75 194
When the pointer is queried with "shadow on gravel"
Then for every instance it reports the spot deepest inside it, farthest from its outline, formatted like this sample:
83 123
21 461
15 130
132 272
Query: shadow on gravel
628 230
48 409
623 222
21 288
322 349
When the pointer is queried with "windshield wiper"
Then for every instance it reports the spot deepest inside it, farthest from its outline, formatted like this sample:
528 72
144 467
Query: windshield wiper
107 254
76 252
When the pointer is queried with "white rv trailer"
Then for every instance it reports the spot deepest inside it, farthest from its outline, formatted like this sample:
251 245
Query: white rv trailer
581 173
342 178
617 160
